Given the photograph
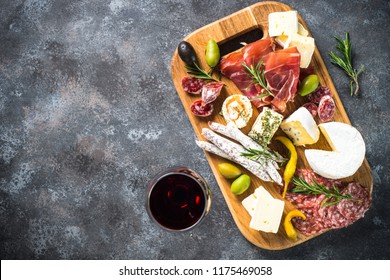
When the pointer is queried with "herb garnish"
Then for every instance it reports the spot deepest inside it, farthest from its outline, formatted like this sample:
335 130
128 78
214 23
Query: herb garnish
345 62
331 196
255 154
257 75
199 72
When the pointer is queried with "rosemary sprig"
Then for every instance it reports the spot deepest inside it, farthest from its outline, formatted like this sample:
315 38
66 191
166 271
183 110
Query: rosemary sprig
345 62
199 72
257 75
256 154
331 196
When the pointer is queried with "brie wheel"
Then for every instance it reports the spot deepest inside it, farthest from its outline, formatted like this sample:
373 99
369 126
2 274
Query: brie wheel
348 151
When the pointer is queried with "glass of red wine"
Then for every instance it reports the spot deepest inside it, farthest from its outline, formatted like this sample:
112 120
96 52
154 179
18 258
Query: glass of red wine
178 199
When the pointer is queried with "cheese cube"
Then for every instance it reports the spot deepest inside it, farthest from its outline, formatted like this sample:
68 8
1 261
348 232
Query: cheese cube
265 126
305 46
282 23
301 127
268 213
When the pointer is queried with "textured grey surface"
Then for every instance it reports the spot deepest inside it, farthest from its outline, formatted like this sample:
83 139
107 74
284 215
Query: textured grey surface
88 114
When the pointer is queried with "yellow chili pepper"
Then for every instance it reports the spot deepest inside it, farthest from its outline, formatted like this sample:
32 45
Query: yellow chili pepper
291 164
288 226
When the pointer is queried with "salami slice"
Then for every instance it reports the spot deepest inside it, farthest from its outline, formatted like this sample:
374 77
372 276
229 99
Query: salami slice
211 91
311 107
192 85
321 91
326 108
200 110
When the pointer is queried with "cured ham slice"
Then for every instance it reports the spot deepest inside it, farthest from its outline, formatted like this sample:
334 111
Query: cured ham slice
282 76
281 72
231 67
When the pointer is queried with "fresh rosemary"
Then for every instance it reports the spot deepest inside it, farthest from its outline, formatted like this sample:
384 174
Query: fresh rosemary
257 75
255 154
345 62
200 73
331 196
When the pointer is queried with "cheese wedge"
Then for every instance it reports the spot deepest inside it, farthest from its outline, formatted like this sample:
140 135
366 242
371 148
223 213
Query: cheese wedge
348 151
284 40
268 212
301 128
282 23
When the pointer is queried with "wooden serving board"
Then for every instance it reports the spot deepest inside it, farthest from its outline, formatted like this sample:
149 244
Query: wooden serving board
222 31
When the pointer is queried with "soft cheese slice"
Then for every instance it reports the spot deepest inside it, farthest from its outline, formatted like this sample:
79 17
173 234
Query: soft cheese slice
268 212
237 109
305 46
348 151
285 40
301 127
282 23
250 201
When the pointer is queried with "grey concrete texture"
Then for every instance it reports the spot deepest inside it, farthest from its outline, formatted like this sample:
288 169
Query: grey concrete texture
89 114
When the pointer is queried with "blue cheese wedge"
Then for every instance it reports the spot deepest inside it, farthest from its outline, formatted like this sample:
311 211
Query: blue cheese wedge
301 128
267 212
237 109
280 23
265 126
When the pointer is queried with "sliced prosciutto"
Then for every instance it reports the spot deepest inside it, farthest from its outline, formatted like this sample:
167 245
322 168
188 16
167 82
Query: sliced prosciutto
231 67
281 72
282 76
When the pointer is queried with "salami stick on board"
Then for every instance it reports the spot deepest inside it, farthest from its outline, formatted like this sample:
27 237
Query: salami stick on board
234 151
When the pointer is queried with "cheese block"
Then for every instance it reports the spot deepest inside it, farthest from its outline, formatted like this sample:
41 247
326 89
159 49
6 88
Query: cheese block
305 46
280 23
301 128
267 213
250 201
237 109
348 151
284 40
265 126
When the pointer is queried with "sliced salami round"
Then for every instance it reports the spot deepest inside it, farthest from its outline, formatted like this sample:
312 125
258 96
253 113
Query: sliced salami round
200 110
316 96
326 108
311 107
211 91
192 85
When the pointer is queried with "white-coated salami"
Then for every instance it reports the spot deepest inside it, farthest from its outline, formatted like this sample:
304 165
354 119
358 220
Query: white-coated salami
326 108
234 151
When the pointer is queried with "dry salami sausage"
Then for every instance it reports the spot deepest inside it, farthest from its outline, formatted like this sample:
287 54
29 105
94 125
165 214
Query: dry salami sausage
200 110
311 107
192 85
321 91
339 215
326 108
211 91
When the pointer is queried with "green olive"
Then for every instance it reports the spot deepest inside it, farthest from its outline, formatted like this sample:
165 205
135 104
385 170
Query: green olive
228 170
187 53
212 53
308 85
241 184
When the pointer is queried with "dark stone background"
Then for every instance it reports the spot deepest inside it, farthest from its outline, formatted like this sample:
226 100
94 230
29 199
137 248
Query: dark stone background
88 114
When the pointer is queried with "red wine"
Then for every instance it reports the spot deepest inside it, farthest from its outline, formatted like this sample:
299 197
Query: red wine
177 201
